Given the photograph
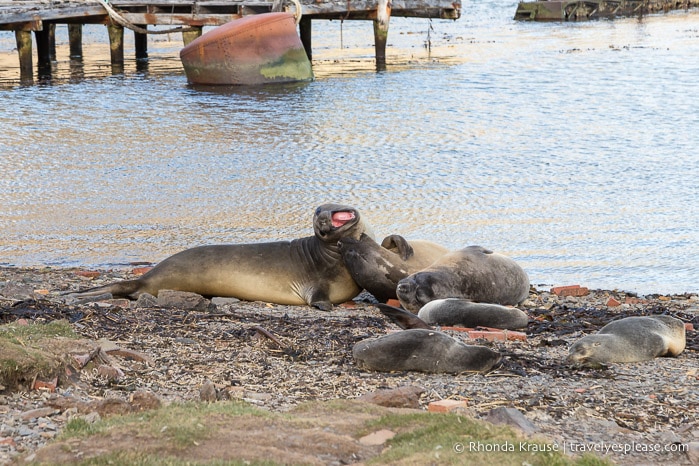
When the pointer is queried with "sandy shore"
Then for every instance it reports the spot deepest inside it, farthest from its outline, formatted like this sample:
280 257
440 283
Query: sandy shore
642 413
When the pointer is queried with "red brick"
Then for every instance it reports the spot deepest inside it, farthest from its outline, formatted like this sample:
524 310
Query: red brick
491 334
7 441
393 302
49 385
445 406
689 326
140 270
88 273
570 290
613 302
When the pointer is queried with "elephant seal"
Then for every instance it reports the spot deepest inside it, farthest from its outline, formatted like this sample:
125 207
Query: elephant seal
632 339
302 271
379 268
423 350
453 312
465 313
473 273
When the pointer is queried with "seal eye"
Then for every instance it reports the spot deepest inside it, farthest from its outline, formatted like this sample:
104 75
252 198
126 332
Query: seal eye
318 211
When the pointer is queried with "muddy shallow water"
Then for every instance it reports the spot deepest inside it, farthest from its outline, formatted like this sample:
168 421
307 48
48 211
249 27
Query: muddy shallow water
570 147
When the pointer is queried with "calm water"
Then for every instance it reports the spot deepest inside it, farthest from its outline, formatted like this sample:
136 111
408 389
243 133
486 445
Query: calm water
574 148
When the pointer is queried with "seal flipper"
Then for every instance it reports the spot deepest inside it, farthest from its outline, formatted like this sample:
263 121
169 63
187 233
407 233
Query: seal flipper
402 318
124 289
398 244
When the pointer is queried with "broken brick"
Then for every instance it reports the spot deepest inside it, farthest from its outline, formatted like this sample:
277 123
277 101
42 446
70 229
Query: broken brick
570 290
445 406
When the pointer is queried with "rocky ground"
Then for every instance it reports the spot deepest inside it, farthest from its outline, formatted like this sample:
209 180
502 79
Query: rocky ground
279 356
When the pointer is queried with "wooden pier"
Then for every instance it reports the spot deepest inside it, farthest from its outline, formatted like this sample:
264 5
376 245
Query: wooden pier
583 10
189 17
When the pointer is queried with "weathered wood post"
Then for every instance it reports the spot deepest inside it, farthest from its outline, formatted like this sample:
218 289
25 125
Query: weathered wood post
383 15
43 50
24 49
193 33
75 38
141 43
305 34
116 44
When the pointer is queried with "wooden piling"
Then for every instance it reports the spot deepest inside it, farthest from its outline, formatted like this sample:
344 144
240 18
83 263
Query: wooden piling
305 30
43 48
141 43
189 36
383 15
116 43
75 37
24 48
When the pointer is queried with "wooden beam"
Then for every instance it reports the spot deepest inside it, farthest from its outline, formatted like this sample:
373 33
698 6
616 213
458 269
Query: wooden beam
141 43
305 29
24 49
116 43
75 37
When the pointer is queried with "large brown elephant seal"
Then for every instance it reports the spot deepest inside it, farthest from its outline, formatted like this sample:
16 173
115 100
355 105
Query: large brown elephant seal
473 273
379 268
632 339
422 350
307 270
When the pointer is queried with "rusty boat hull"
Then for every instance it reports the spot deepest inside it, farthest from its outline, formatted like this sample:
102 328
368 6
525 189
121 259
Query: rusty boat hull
256 49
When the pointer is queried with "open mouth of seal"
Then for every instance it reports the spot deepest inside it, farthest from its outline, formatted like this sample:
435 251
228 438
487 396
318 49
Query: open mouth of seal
341 218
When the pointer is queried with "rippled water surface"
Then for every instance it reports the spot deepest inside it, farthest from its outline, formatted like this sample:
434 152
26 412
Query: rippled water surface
571 147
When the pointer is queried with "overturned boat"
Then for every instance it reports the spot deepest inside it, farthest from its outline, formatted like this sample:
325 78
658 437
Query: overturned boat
256 49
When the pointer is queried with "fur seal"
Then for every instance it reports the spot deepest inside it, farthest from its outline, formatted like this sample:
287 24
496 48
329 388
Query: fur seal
453 312
423 350
302 271
632 339
379 268
473 273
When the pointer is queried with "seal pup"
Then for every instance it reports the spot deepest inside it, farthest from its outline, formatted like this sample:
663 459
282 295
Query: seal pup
473 273
632 339
379 268
453 312
423 350
306 270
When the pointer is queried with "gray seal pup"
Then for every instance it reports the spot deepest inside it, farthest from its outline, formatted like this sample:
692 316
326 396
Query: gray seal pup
306 270
465 313
422 350
473 273
453 312
632 339
378 268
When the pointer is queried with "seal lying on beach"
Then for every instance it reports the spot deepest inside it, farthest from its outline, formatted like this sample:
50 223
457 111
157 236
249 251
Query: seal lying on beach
453 312
422 350
632 339
473 273
379 268
307 270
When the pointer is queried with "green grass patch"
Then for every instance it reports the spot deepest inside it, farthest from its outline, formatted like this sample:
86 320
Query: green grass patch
423 438
23 334
181 424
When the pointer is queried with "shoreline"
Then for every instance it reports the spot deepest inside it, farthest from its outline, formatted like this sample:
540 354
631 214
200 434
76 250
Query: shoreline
650 403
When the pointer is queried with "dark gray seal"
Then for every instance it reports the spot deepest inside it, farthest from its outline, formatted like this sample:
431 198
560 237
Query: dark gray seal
465 313
632 339
307 270
473 273
379 268
452 312
422 350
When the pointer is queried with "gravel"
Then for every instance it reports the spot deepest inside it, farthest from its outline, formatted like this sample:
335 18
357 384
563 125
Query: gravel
279 356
